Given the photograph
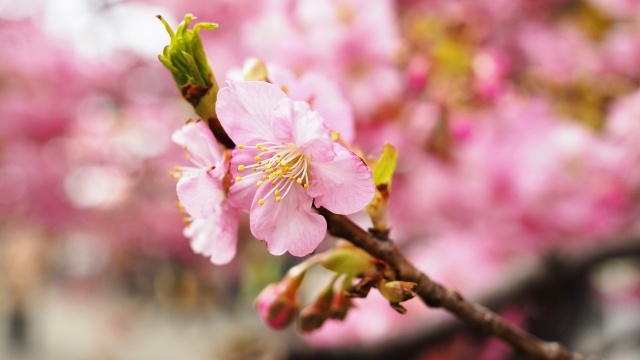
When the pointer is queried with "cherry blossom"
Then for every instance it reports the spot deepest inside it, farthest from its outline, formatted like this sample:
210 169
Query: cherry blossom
214 226
322 94
285 162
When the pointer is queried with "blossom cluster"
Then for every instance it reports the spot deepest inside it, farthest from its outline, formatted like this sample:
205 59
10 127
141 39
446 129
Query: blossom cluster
286 162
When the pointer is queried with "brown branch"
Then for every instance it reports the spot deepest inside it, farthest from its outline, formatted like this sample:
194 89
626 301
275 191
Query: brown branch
436 295
219 133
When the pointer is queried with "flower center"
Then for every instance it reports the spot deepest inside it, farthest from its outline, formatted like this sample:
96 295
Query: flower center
280 165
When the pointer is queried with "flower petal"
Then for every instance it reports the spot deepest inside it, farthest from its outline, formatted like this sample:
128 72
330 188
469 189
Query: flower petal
289 225
326 98
216 236
197 138
282 121
343 185
244 110
241 193
310 132
200 194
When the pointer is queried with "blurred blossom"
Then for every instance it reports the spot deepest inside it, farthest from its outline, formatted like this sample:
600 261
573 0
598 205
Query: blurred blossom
96 186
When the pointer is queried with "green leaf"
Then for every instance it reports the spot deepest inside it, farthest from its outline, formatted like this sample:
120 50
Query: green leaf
385 166
383 170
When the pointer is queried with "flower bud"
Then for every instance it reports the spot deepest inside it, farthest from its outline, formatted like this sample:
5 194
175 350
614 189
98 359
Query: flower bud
397 291
313 316
340 306
349 260
254 69
187 62
278 303
276 308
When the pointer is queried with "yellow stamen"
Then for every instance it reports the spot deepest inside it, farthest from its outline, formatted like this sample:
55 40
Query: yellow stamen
257 158
261 202
299 180
259 183
240 146
258 146
278 198
306 186
239 178
240 167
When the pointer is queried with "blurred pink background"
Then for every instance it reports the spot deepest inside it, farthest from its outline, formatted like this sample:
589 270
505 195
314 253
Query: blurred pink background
517 124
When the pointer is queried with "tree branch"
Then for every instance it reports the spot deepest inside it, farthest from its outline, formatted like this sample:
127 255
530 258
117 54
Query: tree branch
436 295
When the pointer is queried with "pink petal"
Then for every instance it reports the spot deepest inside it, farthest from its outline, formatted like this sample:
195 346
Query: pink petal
326 98
343 185
244 110
282 77
281 121
198 139
310 133
215 236
200 194
241 193
289 225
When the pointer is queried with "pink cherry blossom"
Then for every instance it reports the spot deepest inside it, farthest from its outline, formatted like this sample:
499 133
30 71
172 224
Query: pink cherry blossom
214 229
215 236
322 94
285 161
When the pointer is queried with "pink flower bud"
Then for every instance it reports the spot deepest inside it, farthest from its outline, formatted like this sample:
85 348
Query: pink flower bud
340 306
278 303
277 306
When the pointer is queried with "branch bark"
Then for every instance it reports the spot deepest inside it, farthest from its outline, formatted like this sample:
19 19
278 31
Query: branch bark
436 295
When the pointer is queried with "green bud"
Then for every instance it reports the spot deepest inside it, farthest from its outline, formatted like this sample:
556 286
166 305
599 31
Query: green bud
349 260
187 62
397 291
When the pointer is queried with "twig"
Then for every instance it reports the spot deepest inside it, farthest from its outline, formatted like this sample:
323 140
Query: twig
436 295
